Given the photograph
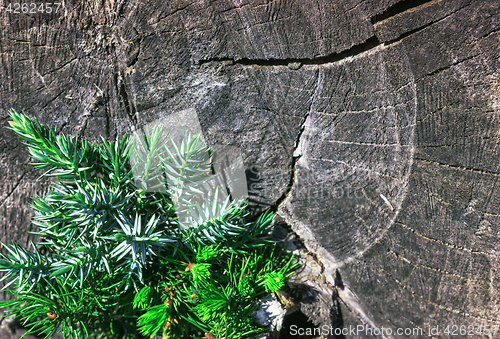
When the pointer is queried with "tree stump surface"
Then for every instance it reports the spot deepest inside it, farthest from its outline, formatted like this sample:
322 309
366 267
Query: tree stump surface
372 127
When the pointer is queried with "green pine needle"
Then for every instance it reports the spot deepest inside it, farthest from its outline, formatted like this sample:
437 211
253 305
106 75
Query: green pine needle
116 260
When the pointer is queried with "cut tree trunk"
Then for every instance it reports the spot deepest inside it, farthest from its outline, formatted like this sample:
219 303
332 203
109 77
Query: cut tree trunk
372 127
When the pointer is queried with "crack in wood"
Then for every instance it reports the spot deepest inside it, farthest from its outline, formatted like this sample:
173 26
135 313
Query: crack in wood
433 195
464 249
373 110
450 106
400 8
400 257
52 100
61 66
108 120
127 104
295 158
176 11
457 144
13 189
490 33
448 309
135 55
369 44
20 40
421 28
358 168
490 194
439 70
123 95
459 168
366 143
291 182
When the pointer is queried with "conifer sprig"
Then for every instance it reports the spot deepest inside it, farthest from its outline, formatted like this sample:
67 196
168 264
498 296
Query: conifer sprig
118 261
62 155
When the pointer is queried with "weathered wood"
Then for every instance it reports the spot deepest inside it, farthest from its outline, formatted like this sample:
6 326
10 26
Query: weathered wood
371 126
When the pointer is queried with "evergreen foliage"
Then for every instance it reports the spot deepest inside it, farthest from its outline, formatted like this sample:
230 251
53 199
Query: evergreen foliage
115 261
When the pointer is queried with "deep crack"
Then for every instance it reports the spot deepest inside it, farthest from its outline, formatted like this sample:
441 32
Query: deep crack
353 51
293 165
13 189
398 8
122 93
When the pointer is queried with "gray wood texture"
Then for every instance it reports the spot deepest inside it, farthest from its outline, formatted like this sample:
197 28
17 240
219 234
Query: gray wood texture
372 127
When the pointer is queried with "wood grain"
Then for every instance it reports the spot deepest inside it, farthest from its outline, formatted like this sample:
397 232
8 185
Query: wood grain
393 104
